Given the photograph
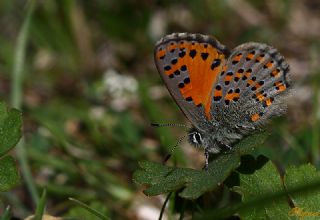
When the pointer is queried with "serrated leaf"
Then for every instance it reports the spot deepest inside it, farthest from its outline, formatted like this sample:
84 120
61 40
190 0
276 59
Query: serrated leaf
264 196
260 184
9 176
164 179
10 128
305 201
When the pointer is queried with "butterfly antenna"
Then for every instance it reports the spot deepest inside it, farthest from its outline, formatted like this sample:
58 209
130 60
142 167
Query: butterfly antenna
173 148
168 125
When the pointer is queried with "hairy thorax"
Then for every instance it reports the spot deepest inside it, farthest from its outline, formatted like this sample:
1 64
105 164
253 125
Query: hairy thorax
215 138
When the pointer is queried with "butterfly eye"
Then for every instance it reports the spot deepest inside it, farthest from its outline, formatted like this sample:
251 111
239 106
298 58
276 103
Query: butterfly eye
196 138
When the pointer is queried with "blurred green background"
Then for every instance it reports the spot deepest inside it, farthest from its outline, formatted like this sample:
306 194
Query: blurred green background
91 90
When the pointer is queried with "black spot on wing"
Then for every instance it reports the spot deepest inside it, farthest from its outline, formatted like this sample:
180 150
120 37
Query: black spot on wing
167 68
182 53
204 56
186 80
174 61
215 63
181 85
189 99
183 68
192 53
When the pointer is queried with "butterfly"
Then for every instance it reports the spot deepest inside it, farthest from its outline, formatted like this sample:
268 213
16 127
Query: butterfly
225 94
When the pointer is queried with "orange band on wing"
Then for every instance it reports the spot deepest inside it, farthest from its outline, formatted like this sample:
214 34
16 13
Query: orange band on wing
199 63
202 61
275 73
280 86
249 56
160 54
255 117
269 64
259 96
232 96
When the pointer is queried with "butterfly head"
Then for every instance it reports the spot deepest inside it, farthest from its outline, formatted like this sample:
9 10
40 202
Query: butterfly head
208 138
195 137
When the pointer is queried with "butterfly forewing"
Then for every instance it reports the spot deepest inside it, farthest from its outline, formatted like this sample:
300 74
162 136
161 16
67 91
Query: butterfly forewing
190 65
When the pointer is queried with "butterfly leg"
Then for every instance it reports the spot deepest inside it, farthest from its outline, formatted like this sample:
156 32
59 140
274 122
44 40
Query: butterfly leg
206 155
245 127
227 146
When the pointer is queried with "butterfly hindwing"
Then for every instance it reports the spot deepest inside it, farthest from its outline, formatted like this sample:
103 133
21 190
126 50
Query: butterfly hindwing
189 65
248 90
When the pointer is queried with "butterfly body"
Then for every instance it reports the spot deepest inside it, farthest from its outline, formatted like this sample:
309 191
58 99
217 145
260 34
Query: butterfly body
225 94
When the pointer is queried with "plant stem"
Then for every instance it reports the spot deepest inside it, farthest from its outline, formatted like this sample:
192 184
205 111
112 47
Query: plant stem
164 205
183 209
16 96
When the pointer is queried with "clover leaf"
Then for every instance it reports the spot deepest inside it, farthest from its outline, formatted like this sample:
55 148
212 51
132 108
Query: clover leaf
10 133
163 179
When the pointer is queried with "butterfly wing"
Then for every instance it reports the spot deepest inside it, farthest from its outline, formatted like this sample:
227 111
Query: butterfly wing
251 86
189 64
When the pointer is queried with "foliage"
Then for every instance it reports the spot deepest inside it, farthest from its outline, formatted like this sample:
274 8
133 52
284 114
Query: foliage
10 133
164 179
262 183
88 90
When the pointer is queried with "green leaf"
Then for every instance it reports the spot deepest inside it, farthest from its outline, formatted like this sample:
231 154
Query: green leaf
10 128
260 184
10 133
163 179
9 176
264 197
306 201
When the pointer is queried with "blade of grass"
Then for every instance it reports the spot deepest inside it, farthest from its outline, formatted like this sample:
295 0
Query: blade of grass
41 206
315 109
6 214
315 129
16 96
91 210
